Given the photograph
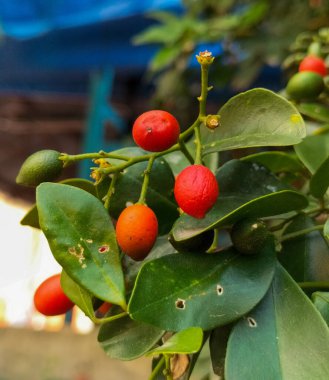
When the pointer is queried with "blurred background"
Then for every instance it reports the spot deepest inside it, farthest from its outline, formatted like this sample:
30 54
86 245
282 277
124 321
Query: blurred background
74 75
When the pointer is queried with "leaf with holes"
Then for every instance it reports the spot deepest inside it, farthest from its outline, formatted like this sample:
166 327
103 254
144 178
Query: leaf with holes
186 341
203 291
306 257
82 239
257 117
284 337
246 190
78 295
126 339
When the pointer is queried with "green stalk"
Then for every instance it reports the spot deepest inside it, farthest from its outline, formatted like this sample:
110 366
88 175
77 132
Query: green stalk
109 319
168 373
299 233
110 191
157 368
146 180
314 285
69 159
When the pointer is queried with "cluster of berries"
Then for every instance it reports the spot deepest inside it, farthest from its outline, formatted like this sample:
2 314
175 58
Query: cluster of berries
308 83
196 189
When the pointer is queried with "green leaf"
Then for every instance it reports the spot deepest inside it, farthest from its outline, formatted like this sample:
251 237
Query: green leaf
306 258
82 239
203 291
162 247
315 111
321 302
284 337
276 161
31 218
164 57
78 295
326 229
177 162
217 345
313 151
245 190
126 339
256 117
320 181
186 341
159 195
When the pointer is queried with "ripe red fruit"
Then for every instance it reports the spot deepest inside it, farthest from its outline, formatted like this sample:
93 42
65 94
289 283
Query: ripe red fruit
196 190
49 298
155 130
136 231
314 64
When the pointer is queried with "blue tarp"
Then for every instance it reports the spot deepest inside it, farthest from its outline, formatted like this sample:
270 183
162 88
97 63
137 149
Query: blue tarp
53 45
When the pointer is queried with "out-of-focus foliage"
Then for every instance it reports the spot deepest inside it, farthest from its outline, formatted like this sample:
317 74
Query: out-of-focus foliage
250 33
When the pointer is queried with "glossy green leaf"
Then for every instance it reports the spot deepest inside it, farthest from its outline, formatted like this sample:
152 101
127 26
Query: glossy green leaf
162 247
313 151
306 258
276 161
315 111
256 117
186 341
177 161
217 345
326 229
189 290
159 195
82 239
78 295
283 338
320 181
246 190
126 339
321 302
31 218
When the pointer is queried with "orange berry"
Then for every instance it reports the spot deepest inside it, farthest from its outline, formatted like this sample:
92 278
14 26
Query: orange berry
156 130
136 231
314 64
196 190
49 298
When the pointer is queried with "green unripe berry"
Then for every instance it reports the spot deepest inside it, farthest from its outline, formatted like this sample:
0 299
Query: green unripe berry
249 235
197 244
305 85
41 166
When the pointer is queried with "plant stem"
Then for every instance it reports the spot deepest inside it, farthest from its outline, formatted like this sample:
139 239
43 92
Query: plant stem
315 285
146 180
69 159
299 233
157 368
204 89
198 151
185 151
109 319
110 191
168 369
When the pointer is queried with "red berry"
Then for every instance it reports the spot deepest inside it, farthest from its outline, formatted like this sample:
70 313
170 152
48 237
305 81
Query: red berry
314 64
155 130
136 231
196 190
49 298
